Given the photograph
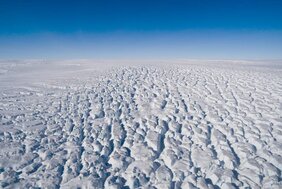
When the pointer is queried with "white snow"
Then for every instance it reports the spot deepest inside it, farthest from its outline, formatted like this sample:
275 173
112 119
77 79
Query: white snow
134 124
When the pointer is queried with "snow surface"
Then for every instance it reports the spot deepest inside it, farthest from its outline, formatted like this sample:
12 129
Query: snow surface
156 124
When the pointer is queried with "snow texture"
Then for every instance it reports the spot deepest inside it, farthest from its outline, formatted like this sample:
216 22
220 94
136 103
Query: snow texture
81 124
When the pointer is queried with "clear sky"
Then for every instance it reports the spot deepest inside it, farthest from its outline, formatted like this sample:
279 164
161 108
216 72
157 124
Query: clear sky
239 29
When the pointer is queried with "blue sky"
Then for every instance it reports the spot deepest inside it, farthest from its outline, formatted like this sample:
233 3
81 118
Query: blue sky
239 29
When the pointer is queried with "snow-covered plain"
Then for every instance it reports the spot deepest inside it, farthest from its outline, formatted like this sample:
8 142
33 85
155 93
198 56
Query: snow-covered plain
156 124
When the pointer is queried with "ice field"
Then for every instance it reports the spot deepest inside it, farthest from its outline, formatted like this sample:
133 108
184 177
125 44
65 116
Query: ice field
151 124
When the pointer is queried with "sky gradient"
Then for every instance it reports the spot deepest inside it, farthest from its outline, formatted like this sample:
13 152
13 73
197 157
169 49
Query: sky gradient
205 29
